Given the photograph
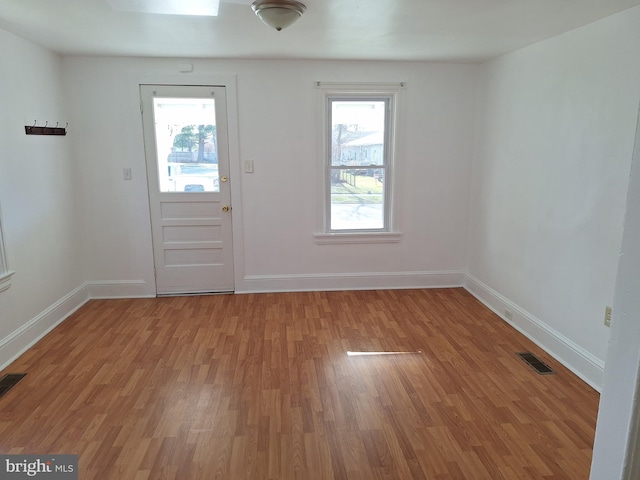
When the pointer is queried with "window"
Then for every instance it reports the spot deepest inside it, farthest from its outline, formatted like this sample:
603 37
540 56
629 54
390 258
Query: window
5 274
358 157
358 163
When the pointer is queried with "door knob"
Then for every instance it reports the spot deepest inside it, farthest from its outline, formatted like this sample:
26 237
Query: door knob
224 178
226 208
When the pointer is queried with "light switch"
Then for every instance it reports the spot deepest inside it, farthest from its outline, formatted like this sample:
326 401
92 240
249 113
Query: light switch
126 173
248 167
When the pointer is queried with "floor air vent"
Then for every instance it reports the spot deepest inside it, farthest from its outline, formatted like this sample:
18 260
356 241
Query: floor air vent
535 363
9 381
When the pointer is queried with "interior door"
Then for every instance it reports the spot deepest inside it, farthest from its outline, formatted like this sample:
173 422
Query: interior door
187 155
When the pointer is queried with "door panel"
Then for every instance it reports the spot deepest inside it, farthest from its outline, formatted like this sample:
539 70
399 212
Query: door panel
189 187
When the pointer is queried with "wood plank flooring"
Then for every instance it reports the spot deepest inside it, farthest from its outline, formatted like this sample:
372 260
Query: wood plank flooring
259 386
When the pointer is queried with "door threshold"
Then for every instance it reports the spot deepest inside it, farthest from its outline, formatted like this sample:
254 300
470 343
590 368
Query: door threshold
194 294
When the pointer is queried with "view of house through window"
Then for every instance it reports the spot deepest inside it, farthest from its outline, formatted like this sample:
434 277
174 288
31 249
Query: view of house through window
186 144
358 163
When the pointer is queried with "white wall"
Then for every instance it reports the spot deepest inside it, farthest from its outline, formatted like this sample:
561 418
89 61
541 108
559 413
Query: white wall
279 130
543 199
554 141
37 193
616 452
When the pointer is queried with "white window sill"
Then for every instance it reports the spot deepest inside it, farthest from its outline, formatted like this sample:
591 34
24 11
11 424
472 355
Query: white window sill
5 280
360 237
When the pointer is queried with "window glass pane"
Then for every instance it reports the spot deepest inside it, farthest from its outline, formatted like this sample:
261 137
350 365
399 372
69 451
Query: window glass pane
357 132
186 144
357 199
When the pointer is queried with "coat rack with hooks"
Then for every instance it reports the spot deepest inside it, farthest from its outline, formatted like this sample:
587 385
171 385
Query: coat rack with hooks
45 130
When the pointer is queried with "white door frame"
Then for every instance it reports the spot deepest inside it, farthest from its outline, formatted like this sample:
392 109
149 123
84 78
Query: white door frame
229 82
192 231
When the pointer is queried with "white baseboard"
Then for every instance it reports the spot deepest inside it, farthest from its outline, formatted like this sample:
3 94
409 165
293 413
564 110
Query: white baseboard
349 281
19 341
585 365
120 289
579 361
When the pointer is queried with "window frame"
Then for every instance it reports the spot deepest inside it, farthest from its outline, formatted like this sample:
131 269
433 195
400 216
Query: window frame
5 273
389 94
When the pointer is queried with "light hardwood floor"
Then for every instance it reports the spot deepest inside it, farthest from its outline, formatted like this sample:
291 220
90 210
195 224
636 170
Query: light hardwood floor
260 386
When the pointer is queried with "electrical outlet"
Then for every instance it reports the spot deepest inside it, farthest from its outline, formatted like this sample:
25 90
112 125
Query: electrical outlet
508 314
607 316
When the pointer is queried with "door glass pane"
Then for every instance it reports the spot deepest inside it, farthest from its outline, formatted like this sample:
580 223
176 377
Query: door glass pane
357 198
186 144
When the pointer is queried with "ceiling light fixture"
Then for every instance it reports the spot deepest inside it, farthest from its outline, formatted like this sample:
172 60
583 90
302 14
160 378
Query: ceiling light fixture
278 14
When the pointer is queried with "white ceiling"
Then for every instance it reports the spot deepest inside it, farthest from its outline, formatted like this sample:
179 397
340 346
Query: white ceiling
432 30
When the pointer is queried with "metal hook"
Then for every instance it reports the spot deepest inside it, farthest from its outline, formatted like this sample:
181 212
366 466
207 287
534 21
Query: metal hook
46 123
56 125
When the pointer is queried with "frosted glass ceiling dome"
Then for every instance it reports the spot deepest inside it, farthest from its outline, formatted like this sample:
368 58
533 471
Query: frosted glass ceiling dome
278 14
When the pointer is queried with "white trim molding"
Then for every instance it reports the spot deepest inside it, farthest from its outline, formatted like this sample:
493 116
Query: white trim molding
585 365
120 289
5 280
361 86
574 357
349 281
357 237
229 81
389 94
20 340
5 273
